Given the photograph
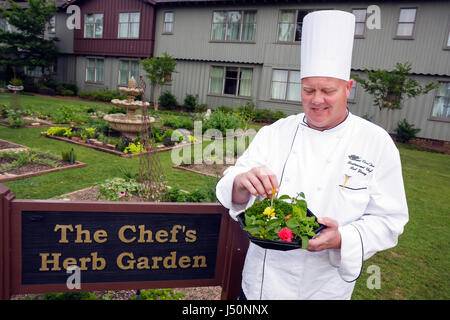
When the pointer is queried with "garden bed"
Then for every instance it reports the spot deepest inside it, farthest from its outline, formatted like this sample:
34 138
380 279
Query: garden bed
6 146
212 170
31 169
111 148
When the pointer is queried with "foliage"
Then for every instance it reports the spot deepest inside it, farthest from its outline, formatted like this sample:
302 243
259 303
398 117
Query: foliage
178 122
70 296
159 72
134 148
158 68
389 87
270 218
190 102
68 156
405 131
27 46
104 95
21 158
159 294
168 100
117 189
268 116
222 121
16 82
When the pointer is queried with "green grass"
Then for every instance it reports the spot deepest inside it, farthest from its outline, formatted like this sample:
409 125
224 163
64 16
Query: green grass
417 268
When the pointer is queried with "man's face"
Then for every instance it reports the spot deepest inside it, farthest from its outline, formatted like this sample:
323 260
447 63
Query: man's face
324 101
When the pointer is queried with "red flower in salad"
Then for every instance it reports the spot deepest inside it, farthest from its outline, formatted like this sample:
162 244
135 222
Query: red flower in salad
286 235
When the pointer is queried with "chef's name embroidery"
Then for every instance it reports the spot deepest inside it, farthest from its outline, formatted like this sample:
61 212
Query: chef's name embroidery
359 165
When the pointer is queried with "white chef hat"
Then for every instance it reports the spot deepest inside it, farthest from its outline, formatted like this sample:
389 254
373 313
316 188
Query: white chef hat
327 43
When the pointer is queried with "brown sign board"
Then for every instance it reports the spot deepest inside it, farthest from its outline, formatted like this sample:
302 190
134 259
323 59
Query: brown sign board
117 245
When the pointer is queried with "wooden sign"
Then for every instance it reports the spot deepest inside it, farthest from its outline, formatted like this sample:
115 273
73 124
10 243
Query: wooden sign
117 245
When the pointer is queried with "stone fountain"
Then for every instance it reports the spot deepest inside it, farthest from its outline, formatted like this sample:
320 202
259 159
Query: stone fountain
129 124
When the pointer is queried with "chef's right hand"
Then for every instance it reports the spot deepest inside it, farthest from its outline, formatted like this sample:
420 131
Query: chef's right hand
257 181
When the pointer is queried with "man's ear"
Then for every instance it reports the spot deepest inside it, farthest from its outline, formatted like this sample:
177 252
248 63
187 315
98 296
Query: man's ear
349 86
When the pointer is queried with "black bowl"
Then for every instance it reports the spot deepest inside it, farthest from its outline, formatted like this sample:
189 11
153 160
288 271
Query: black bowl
277 244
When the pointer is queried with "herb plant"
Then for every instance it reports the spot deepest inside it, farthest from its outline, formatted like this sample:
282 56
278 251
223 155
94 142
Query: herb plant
276 219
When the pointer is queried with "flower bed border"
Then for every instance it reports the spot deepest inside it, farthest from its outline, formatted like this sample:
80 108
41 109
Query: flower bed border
8 177
14 149
115 152
194 171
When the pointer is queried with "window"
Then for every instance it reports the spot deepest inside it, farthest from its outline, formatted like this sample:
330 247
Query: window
128 69
360 22
406 21
231 81
129 25
290 25
233 26
286 85
441 105
168 22
93 25
447 43
52 25
94 70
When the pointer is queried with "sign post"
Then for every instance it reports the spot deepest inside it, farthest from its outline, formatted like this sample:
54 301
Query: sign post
46 245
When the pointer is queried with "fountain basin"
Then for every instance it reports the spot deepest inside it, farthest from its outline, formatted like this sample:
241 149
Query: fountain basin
130 105
128 125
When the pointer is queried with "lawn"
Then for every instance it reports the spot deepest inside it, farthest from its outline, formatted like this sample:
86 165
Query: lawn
417 268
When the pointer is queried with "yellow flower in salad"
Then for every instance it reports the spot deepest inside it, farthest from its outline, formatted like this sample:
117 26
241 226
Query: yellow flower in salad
269 211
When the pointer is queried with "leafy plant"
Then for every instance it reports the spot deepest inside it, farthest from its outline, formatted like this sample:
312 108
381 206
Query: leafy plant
405 131
275 219
168 101
69 156
190 102
159 71
221 121
117 189
388 88
159 294
134 148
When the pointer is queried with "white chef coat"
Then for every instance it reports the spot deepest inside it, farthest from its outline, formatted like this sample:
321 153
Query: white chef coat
370 206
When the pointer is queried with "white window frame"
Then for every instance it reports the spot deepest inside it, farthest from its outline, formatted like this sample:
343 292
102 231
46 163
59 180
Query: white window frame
129 61
238 80
434 99
286 95
241 25
95 70
360 36
406 37
165 22
129 23
295 23
93 26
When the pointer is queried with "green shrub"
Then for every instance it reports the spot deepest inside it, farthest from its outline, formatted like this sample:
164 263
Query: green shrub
67 156
178 122
159 294
201 107
222 121
225 109
405 131
70 296
167 100
190 102
67 92
268 116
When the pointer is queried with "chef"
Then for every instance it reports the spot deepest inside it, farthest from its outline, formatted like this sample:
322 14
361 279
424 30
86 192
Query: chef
348 168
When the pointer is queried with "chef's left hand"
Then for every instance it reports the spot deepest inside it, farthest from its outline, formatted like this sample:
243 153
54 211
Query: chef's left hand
329 238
